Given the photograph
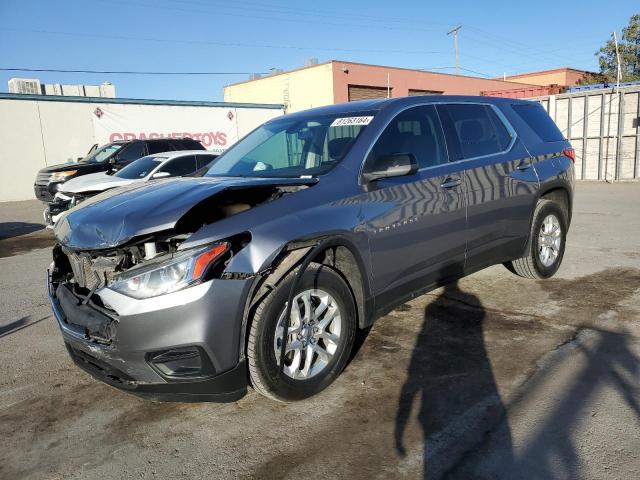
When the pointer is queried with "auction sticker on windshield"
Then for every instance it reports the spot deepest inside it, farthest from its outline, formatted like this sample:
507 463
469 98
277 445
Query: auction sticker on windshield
345 121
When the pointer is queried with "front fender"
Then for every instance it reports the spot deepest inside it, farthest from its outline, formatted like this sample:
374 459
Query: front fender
270 237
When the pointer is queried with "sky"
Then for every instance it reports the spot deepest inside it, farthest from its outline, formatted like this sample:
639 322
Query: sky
241 37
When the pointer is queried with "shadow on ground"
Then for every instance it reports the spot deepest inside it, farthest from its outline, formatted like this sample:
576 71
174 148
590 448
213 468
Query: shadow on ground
554 449
15 229
18 237
18 325
449 381
464 424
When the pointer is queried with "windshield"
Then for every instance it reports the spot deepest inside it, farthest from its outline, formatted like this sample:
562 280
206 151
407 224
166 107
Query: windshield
140 168
292 147
103 153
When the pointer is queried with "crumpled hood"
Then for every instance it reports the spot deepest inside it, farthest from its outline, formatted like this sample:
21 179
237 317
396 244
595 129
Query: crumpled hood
94 182
114 217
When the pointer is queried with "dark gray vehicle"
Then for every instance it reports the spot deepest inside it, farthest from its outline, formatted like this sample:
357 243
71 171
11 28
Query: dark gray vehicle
316 224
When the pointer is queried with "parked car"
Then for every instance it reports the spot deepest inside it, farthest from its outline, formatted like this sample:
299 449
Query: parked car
152 167
339 213
108 158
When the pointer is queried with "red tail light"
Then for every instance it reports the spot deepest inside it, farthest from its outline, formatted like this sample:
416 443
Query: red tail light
571 153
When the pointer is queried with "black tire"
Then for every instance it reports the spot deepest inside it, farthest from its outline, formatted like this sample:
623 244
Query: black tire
264 371
530 266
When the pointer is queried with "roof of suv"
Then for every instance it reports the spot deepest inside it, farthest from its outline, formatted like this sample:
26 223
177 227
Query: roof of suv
378 104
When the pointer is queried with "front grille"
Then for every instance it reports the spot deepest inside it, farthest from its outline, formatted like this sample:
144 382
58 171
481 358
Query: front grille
43 178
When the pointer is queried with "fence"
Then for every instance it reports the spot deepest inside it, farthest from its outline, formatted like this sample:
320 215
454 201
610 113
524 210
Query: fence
603 127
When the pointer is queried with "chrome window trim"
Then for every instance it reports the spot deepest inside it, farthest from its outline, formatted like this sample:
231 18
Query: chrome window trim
501 116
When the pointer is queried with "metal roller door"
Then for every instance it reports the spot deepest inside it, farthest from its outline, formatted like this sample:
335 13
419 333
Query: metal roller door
357 92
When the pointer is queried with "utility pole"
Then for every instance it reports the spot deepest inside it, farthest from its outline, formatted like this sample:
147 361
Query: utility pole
455 31
388 86
615 41
620 108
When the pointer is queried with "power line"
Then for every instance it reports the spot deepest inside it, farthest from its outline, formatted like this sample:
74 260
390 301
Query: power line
222 44
137 72
119 72
282 10
270 18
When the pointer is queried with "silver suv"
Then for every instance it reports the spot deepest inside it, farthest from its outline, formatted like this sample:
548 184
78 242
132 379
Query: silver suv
312 226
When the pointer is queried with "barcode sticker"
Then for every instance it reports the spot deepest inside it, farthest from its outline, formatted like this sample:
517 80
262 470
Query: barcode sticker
346 121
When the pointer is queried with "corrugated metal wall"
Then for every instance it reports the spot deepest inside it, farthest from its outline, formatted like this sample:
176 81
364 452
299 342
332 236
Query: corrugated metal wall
599 123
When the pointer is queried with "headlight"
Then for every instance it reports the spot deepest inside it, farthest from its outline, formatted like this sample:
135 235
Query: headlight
182 270
62 197
62 176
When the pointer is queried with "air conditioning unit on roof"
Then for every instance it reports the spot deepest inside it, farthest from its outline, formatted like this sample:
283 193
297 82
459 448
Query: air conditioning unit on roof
30 86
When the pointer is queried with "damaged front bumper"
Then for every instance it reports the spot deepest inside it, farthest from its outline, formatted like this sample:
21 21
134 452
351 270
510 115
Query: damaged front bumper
182 346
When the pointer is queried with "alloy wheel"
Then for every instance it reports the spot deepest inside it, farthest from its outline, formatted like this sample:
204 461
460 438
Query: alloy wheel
549 239
314 334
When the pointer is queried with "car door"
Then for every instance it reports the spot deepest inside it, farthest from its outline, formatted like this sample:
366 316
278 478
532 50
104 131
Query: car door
416 223
500 183
180 166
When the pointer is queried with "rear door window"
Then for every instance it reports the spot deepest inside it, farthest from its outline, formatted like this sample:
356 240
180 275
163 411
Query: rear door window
161 146
180 166
416 131
473 130
539 121
130 152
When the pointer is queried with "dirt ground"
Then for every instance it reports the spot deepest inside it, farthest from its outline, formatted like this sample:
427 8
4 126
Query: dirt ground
493 377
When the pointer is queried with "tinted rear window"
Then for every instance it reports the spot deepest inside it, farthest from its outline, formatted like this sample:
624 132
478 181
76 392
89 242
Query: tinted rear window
189 144
473 130
539 121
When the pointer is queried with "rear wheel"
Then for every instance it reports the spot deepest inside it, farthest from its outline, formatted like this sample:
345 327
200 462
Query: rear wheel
319 338
546 242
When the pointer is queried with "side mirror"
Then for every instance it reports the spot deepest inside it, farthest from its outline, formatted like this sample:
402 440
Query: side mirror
388 166
160 175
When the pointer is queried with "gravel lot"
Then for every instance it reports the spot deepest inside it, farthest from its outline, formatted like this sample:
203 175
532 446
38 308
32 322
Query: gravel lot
495 377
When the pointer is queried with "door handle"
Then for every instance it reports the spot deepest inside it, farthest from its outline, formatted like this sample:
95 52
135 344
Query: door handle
524 164
450 182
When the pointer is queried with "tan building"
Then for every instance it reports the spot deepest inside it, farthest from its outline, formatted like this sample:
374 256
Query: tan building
338 82
563 77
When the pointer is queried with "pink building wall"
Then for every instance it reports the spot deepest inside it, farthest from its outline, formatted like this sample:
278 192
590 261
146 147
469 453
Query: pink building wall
401 80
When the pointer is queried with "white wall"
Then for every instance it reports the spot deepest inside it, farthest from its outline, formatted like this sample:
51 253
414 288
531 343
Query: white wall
21 150
38 133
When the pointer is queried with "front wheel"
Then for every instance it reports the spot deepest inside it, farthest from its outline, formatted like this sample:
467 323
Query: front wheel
546 243
319 339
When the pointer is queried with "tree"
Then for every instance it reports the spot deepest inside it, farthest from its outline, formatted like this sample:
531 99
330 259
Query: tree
629 48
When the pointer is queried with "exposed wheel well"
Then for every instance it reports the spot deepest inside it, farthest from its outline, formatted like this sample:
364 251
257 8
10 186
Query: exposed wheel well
337 256
560 196
342 259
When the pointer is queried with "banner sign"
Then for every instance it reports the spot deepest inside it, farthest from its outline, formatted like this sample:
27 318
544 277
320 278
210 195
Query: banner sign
215 128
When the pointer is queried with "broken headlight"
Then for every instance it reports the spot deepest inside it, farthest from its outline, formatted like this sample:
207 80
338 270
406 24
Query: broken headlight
182 270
